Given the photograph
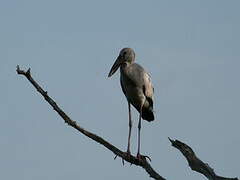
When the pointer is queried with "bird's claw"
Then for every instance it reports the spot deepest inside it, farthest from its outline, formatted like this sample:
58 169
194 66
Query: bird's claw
126 154
143 157
122 159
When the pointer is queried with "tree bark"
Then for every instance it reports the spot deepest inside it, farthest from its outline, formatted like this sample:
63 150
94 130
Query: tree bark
195 163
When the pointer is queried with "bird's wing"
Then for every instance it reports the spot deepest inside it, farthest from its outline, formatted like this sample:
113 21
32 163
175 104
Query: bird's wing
149 90
142 79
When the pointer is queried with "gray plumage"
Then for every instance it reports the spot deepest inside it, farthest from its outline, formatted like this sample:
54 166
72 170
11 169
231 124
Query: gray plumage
137 87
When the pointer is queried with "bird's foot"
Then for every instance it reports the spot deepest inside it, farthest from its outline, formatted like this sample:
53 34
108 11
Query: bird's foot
126 155
143 157
140 157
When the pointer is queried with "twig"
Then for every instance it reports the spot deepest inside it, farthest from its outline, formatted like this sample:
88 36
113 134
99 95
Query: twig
195 163
129 158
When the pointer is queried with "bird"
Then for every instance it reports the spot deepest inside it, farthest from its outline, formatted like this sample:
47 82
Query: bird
137 86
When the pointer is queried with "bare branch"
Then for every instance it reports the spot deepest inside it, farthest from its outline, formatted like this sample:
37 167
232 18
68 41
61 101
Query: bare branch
131 159
195 163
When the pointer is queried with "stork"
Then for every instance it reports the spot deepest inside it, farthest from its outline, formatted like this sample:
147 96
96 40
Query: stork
137 86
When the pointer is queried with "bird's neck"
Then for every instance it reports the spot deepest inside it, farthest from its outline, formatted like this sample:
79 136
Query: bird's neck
124 66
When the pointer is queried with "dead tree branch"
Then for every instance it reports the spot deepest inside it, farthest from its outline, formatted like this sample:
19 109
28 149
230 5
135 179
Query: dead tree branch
131 159
195 163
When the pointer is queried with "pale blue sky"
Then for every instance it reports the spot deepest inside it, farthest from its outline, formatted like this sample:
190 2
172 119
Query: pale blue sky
191 49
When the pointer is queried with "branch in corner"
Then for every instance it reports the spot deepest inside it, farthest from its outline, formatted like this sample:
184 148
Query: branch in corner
195 163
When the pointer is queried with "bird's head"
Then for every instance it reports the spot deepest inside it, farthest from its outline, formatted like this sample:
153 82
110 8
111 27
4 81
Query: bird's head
126 56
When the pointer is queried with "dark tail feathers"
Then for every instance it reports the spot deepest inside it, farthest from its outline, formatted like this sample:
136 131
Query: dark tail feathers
147 114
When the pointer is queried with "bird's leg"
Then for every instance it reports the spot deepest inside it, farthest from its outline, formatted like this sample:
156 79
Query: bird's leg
130 128
139 128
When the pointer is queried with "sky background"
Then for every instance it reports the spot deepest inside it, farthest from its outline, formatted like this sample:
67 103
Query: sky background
191 49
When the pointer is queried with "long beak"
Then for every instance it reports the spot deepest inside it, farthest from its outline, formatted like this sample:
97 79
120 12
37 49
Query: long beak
115 66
